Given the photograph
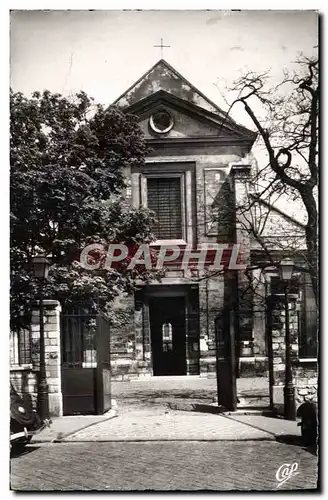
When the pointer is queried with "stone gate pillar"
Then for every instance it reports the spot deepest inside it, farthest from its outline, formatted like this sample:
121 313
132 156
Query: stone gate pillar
51 319
305 372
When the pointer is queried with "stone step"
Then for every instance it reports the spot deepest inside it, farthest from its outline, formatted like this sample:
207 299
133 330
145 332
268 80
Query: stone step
215 408
265 411
253 401
255 393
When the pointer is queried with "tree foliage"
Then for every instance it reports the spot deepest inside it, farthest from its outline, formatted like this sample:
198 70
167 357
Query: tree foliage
68 159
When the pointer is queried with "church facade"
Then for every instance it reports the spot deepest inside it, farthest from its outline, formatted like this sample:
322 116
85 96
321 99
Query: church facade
198 179
196 174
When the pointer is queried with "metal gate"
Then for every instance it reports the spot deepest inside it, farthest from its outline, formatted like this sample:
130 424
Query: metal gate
86 383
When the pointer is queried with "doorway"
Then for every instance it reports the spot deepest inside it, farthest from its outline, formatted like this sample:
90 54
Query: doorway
168 335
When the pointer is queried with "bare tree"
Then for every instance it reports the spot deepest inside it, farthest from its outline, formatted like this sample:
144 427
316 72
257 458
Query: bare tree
286 119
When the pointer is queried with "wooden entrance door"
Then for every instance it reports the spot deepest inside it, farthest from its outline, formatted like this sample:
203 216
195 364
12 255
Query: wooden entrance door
168 335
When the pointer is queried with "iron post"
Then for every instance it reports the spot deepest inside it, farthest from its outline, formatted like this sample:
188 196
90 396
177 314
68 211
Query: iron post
43 389
289 390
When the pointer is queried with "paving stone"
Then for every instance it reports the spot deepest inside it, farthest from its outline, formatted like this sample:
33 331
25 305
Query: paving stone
275 426
162 466
62 426
157 424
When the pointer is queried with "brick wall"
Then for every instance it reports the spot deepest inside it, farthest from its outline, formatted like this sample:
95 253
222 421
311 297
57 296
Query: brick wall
24 378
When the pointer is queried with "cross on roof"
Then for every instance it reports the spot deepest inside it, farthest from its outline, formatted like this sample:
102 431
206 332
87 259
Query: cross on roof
162 46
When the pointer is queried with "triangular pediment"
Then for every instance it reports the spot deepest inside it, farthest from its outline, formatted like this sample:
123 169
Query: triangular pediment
189 121
163 86
162 76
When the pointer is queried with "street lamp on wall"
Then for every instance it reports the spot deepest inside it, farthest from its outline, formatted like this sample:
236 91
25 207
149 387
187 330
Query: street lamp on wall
41 267
286 269
286 272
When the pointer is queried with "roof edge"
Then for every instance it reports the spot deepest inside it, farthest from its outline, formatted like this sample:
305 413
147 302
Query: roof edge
276 209
171 68
195 89
139 80
164 95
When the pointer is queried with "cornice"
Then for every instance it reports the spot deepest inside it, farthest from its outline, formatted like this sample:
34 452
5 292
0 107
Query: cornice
220 122
203 141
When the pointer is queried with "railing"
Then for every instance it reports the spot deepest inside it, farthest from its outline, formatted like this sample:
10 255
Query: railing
78 333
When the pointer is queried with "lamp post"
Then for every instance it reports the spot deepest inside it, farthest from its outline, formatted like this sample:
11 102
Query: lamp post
286 271
41 268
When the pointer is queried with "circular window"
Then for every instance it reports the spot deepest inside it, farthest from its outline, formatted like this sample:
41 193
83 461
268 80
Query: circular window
161 122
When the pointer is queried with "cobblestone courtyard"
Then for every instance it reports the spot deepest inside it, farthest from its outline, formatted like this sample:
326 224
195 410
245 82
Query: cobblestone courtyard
162 466
153 445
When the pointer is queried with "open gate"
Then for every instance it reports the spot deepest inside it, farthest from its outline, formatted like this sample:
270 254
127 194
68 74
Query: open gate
86 381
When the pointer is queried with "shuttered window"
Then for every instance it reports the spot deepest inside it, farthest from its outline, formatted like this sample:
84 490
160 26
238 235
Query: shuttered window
164 198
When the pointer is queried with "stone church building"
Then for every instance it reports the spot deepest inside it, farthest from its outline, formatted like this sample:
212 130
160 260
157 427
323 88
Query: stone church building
198 179
197 174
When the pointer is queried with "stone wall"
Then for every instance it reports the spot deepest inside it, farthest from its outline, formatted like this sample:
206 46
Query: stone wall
24 378
123 338
129 343
305 372
214 188
211 299
25 381
255 366
306 382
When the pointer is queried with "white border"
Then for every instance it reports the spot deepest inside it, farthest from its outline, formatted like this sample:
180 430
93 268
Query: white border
104 5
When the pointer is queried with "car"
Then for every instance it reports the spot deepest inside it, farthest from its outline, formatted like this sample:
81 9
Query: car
308 412
24 421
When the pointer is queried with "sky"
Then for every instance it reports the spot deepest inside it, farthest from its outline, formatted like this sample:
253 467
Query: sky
104 52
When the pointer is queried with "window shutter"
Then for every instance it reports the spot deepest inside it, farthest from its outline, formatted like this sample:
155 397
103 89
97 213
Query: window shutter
164 198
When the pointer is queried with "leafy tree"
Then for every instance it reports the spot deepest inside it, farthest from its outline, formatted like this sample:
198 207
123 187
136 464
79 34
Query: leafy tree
68 163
